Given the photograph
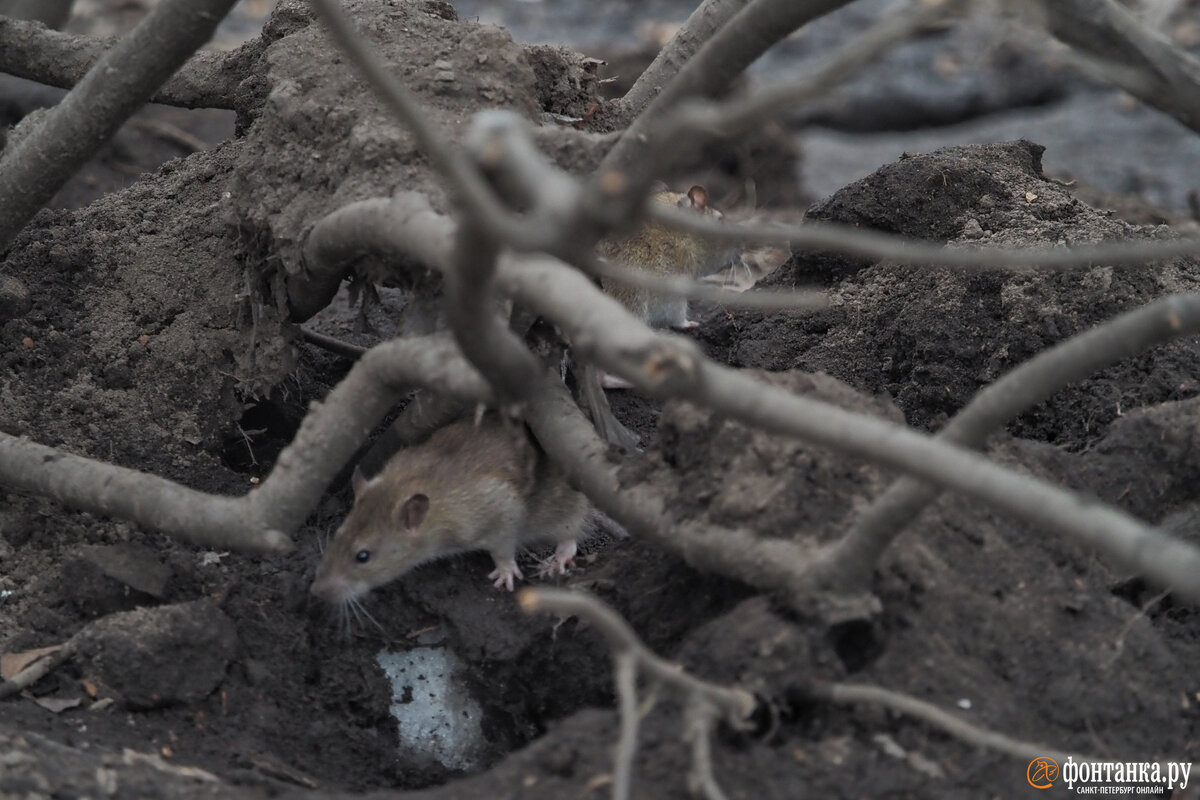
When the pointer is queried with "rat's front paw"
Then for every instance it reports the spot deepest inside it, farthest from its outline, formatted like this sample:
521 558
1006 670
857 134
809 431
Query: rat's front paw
557 564
608 381
504 573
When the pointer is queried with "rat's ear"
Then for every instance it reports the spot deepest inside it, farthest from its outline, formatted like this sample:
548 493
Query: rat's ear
412 513
698 197
359 482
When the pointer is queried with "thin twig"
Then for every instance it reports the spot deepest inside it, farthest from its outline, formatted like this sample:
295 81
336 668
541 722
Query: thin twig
735 705
896 249
853 694
698 730
625 669
333 344
648 144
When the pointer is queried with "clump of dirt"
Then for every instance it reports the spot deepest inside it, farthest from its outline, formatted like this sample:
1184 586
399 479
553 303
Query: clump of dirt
931 338
717 471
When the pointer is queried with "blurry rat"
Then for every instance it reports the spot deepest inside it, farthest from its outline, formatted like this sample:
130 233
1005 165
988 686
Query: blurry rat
471 486
665 251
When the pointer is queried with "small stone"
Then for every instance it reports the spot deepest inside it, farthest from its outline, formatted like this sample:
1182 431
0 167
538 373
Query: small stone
102 579
972 229
15 300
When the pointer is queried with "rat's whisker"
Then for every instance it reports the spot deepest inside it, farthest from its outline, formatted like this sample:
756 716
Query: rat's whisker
343 620
356 604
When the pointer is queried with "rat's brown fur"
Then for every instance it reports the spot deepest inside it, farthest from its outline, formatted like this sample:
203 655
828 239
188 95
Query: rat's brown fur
471 486
664 251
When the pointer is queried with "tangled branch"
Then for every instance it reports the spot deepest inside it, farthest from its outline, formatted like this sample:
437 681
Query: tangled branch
30 50
121 81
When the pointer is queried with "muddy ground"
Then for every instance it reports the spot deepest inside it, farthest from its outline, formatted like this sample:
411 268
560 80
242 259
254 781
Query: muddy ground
155 338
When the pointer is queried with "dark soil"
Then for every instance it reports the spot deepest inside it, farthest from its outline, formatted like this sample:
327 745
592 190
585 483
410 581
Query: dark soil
156 338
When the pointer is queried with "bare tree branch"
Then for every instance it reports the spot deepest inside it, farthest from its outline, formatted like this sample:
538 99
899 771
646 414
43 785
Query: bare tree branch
620 184
35 167
706 20
29 50
663 366
692 117
704 700
856 694
749 34
1161 74
668 366
572 443
340 239
157 503
335 428
264 519
851 560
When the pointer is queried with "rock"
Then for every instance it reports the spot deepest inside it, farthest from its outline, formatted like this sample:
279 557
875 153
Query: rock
157 657
102 579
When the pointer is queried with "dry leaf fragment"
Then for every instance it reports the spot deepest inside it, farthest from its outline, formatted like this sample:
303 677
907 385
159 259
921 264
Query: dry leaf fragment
57 705
13 663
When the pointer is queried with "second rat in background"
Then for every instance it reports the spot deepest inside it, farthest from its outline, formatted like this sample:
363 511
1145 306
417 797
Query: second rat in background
660 250
471 486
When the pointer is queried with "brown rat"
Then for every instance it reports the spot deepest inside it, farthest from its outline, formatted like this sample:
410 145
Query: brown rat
471 486
661 250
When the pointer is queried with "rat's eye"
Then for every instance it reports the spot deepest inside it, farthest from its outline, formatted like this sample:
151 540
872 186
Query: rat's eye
362 556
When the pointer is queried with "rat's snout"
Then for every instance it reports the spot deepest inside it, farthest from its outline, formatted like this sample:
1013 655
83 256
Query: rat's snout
334 588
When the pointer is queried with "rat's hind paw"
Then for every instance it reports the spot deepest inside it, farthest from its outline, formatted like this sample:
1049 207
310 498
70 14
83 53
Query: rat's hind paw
504 573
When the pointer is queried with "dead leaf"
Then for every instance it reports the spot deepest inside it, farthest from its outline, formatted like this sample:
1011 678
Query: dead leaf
1030 197
12 664
57 705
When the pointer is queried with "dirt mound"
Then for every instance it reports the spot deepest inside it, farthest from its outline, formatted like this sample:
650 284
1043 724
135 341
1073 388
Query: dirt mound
930 338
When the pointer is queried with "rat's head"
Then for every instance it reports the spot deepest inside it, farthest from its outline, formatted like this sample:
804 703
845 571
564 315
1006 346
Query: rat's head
389 530
693 253
696 199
